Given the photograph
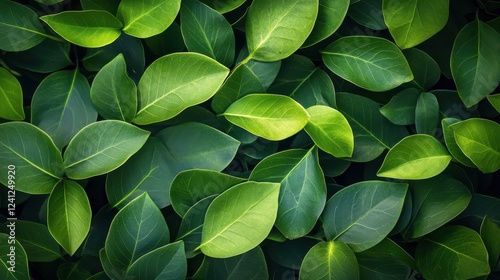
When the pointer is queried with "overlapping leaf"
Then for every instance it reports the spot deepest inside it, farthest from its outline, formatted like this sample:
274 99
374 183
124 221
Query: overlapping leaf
11 97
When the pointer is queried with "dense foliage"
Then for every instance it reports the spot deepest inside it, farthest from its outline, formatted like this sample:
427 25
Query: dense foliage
240 139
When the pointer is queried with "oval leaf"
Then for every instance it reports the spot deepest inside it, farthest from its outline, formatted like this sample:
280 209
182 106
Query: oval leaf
33 154
89 29
280 30
11 97
47 57
273 117
495 101
20 269
451 143
415 157
372 63
69 215
102 147
239 219
331 14
426 113
425 69
193 79
400 109
364 213
489 234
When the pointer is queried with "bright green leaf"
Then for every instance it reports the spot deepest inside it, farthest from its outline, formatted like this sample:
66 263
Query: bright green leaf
11 97
20 263
490 232
331 14
400 109
426 113
451 143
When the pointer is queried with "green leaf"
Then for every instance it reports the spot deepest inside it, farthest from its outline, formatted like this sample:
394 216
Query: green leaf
480 206
364 213
89 29
30 152
146 19
49 2
372 63
20 28
11 97
436 201
39 245
329 260
250 265
194 78
479 140
102 147
489 234
412 22
451 143
400 110
368 13
20 264
46 57
113 93
453 252
303 189
416 157
331 14
239 219
495 101
207 32
169 41
290 253
426 113
61 106
372 132
109 5
224 6
69 215
136 230
387 251
280 30
273 117
330 131
190 186
474 61
167 262
426 71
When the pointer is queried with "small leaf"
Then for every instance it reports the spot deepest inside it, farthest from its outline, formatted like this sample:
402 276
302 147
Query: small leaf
331 14
19 26
400 109
412 22
372 63
474 62
113 93
426 72
136 230
426 113
146 19
330 131
479 140
207 32
239 219
387 251
416 157
20 264
273 117
89 29
194 78
453 252
69 215
495 101
281 30
30 152
224 6
61 106
102 147
368 13
364 213
11 97
109 5
451 143
489 234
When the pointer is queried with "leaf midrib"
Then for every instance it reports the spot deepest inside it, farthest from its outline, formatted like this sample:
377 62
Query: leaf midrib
31 163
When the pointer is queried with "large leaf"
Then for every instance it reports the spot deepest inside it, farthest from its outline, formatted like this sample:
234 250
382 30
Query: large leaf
303 189
281 30
239 219
69 215
416 157
273 117
329 260
207 32
113 93
90 29
330 131
454 252
32 155
20 28
193 78
372 63
426 113
61 106
11 97
19 269
144 19
436 201
136 230
372 132
414 21
400 109
193 185
102 147
479 140
364 213
474 62
331 14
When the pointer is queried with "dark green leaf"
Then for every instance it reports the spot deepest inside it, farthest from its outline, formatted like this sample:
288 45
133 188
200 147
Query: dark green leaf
451 143
400 109
495 101
46 57
426 113
426 72
11 97
290 253
368 13
489 233
108 5
331 14
20 269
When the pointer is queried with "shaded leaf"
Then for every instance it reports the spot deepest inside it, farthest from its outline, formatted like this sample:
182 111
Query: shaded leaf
331 14
426 72
489 234
11 97
289 253
495 101
400 109
426 113
46 57
368 13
